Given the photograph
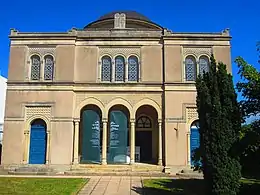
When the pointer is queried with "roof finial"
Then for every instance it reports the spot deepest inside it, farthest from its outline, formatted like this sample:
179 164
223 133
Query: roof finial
119 20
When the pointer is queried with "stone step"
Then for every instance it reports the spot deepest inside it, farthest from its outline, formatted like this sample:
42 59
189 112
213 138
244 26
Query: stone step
30 173
86 173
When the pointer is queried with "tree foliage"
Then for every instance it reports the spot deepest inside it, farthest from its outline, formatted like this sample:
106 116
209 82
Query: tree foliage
249 87
220 124
249 145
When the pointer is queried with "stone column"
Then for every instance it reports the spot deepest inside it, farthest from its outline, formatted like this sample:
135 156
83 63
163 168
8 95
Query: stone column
26 144
188 141
76 142
48 147
160 143
132 142
113 70
126 71
104 143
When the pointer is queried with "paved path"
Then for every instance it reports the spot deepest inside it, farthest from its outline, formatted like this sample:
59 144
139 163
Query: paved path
113 185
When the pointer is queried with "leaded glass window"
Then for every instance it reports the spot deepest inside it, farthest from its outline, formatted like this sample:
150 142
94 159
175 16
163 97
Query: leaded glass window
119 68
190 68
203 64
144 122
35 67
133 68
48 67
106 69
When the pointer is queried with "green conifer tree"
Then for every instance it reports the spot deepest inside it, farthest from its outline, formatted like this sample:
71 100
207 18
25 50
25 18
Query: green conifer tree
220 123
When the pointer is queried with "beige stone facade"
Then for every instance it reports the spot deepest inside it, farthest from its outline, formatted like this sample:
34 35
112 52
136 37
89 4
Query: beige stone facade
163 88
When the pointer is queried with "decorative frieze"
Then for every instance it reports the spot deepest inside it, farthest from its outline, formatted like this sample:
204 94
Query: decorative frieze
38 110
41 50
191 113
197 51
113 52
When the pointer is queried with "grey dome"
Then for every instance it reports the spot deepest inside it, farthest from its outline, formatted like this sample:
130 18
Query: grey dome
129 15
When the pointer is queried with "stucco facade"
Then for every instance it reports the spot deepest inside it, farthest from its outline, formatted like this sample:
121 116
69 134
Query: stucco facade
3 86
163 88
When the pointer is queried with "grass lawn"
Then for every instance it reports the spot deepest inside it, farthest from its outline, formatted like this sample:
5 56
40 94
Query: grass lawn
59 186
193 187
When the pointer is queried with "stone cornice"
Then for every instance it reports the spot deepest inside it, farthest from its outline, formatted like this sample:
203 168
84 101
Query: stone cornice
80 35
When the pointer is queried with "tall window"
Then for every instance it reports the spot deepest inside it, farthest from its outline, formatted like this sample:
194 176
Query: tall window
190 68
48 67
203 64
119 68
106 73
133 68
35 67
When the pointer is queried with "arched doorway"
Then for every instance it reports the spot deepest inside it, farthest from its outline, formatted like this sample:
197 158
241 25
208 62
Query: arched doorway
38 142
118 135
146 135
90 135
194 139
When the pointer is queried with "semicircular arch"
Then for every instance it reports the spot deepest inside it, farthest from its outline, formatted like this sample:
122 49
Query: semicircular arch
191 121
119 101
148 102
89 101
38 116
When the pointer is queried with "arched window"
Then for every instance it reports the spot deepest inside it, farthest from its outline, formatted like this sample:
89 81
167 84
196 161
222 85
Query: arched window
144 122
119 68
106 70
48 67
133 68
35 67
203 64
190 68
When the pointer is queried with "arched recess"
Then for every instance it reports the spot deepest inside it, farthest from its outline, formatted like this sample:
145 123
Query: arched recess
38 142
89 101
148 102
194 139
27 133
90 134
149 131
118 134
119 101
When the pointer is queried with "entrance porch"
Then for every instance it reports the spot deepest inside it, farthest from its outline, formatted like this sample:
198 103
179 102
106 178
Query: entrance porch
118 138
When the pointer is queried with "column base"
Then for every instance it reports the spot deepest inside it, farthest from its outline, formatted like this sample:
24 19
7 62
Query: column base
132 162
160 162
75 162
104 162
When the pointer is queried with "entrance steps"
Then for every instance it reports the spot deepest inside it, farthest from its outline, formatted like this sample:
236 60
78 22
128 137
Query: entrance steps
127 170
31 170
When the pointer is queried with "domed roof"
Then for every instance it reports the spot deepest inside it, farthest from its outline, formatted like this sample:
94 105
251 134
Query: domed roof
133 20
129 15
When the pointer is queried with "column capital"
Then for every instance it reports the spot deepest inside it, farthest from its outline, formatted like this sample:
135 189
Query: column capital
26 132
132 120
76 120
104 120
160 121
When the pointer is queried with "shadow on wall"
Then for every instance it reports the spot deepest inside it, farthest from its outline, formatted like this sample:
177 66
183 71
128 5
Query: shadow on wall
189 187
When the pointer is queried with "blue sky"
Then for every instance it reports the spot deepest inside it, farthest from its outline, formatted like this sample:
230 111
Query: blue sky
180 16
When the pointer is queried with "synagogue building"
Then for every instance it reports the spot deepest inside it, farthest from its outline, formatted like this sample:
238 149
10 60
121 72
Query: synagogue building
120 90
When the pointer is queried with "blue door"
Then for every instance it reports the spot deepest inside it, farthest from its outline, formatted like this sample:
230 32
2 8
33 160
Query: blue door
194 141
37 152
